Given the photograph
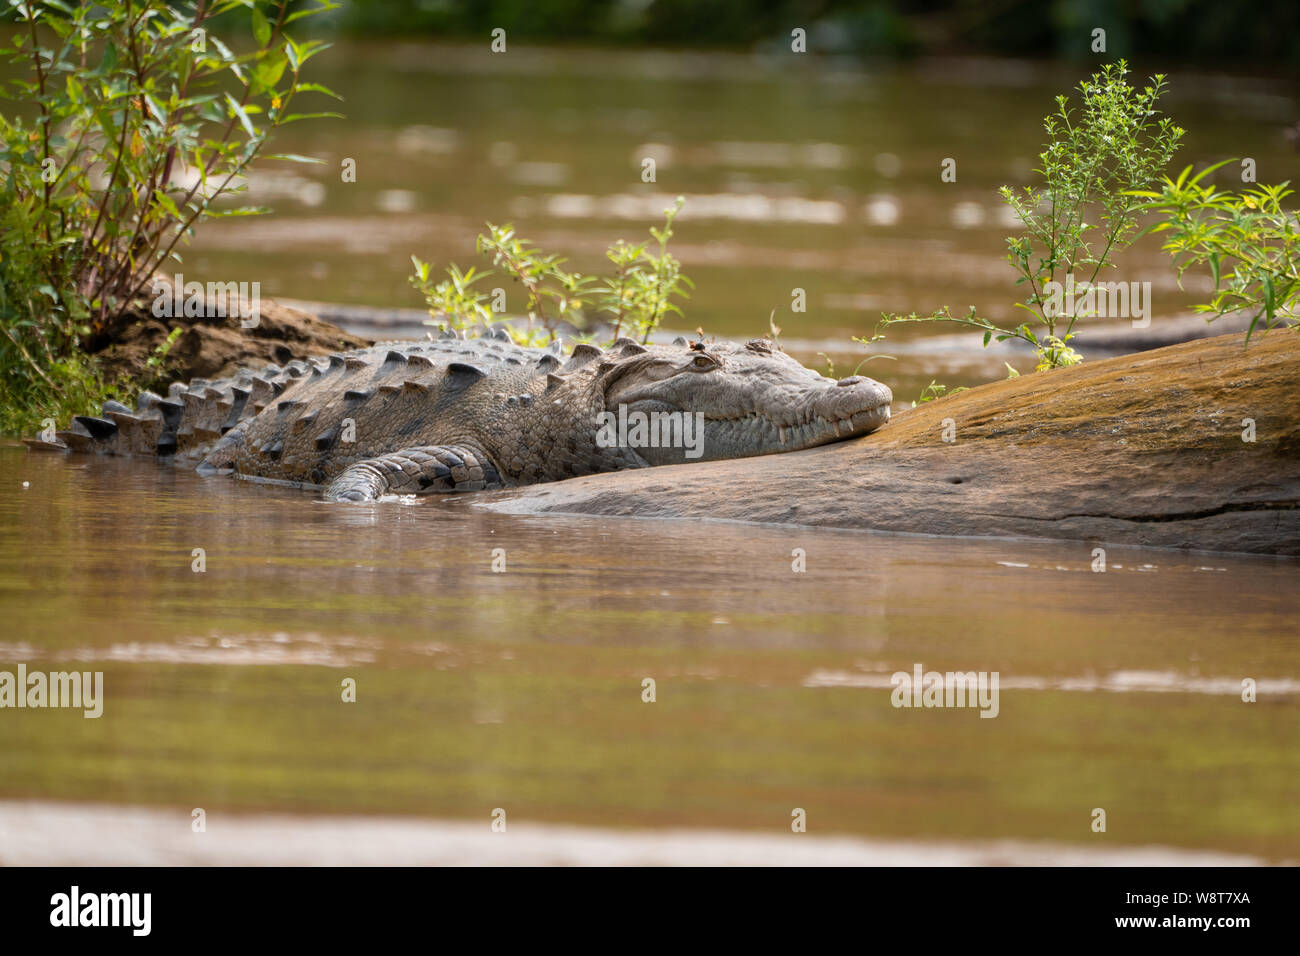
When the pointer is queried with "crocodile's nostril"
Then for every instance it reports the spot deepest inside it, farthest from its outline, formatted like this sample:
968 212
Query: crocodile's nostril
851 380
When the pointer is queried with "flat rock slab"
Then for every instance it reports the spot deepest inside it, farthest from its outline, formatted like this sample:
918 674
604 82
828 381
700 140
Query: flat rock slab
1146 449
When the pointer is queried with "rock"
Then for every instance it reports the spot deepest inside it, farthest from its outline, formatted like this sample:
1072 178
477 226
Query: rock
1144 449
1094 338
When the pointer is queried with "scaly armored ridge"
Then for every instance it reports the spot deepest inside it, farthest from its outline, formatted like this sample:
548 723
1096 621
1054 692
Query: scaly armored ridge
459 414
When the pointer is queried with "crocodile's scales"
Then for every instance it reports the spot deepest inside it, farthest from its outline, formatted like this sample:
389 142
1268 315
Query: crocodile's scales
459 414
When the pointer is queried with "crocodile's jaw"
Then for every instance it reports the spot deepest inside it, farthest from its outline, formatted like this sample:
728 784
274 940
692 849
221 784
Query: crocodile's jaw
827 421
757 401
756 434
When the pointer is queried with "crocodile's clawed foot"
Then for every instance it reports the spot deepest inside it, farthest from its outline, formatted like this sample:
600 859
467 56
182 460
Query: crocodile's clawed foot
413 471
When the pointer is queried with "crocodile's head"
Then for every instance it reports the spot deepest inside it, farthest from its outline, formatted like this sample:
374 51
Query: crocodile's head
755 399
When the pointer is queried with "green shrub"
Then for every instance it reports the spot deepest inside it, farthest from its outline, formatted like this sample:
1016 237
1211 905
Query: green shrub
1247 240
139 119
1087 209
633 300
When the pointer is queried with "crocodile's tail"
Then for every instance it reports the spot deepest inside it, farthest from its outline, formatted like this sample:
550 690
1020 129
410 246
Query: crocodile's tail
188 422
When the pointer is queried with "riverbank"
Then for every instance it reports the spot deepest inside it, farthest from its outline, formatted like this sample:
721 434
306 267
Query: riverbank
215 345
1193 446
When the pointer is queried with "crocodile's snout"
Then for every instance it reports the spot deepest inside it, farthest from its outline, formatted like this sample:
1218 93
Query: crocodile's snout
853 395
761 401
851 406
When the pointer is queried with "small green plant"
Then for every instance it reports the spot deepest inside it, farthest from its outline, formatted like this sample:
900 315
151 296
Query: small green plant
1085 211
453 300
935 390
635 299
645 282
1247 240
554 295
138 118
157 360
867 342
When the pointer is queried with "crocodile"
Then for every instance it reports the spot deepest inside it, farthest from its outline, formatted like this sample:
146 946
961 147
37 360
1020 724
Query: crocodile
457 414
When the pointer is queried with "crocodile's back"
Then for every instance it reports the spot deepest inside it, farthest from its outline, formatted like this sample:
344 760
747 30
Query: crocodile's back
375 401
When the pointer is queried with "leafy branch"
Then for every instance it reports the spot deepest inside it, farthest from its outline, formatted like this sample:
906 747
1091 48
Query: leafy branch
1249 242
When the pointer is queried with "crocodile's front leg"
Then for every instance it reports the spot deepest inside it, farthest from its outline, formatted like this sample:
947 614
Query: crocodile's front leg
414 471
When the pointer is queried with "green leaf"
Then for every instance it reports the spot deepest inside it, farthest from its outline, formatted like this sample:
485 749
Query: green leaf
325 6
294 117
261 27
155 109
317 88
242 114
167 203
295 158
267 73
227 56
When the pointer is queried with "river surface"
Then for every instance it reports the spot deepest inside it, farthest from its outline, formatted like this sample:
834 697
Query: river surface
521 689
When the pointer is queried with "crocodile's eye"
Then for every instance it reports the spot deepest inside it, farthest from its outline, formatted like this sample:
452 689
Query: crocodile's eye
703 361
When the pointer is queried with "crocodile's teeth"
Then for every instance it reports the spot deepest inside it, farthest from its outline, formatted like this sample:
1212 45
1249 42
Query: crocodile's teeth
782 431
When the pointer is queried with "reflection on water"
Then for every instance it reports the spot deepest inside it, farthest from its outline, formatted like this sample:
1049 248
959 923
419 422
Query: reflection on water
34 833
523 689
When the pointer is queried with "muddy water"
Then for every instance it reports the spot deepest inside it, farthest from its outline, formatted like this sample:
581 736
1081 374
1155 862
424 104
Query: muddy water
523 689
